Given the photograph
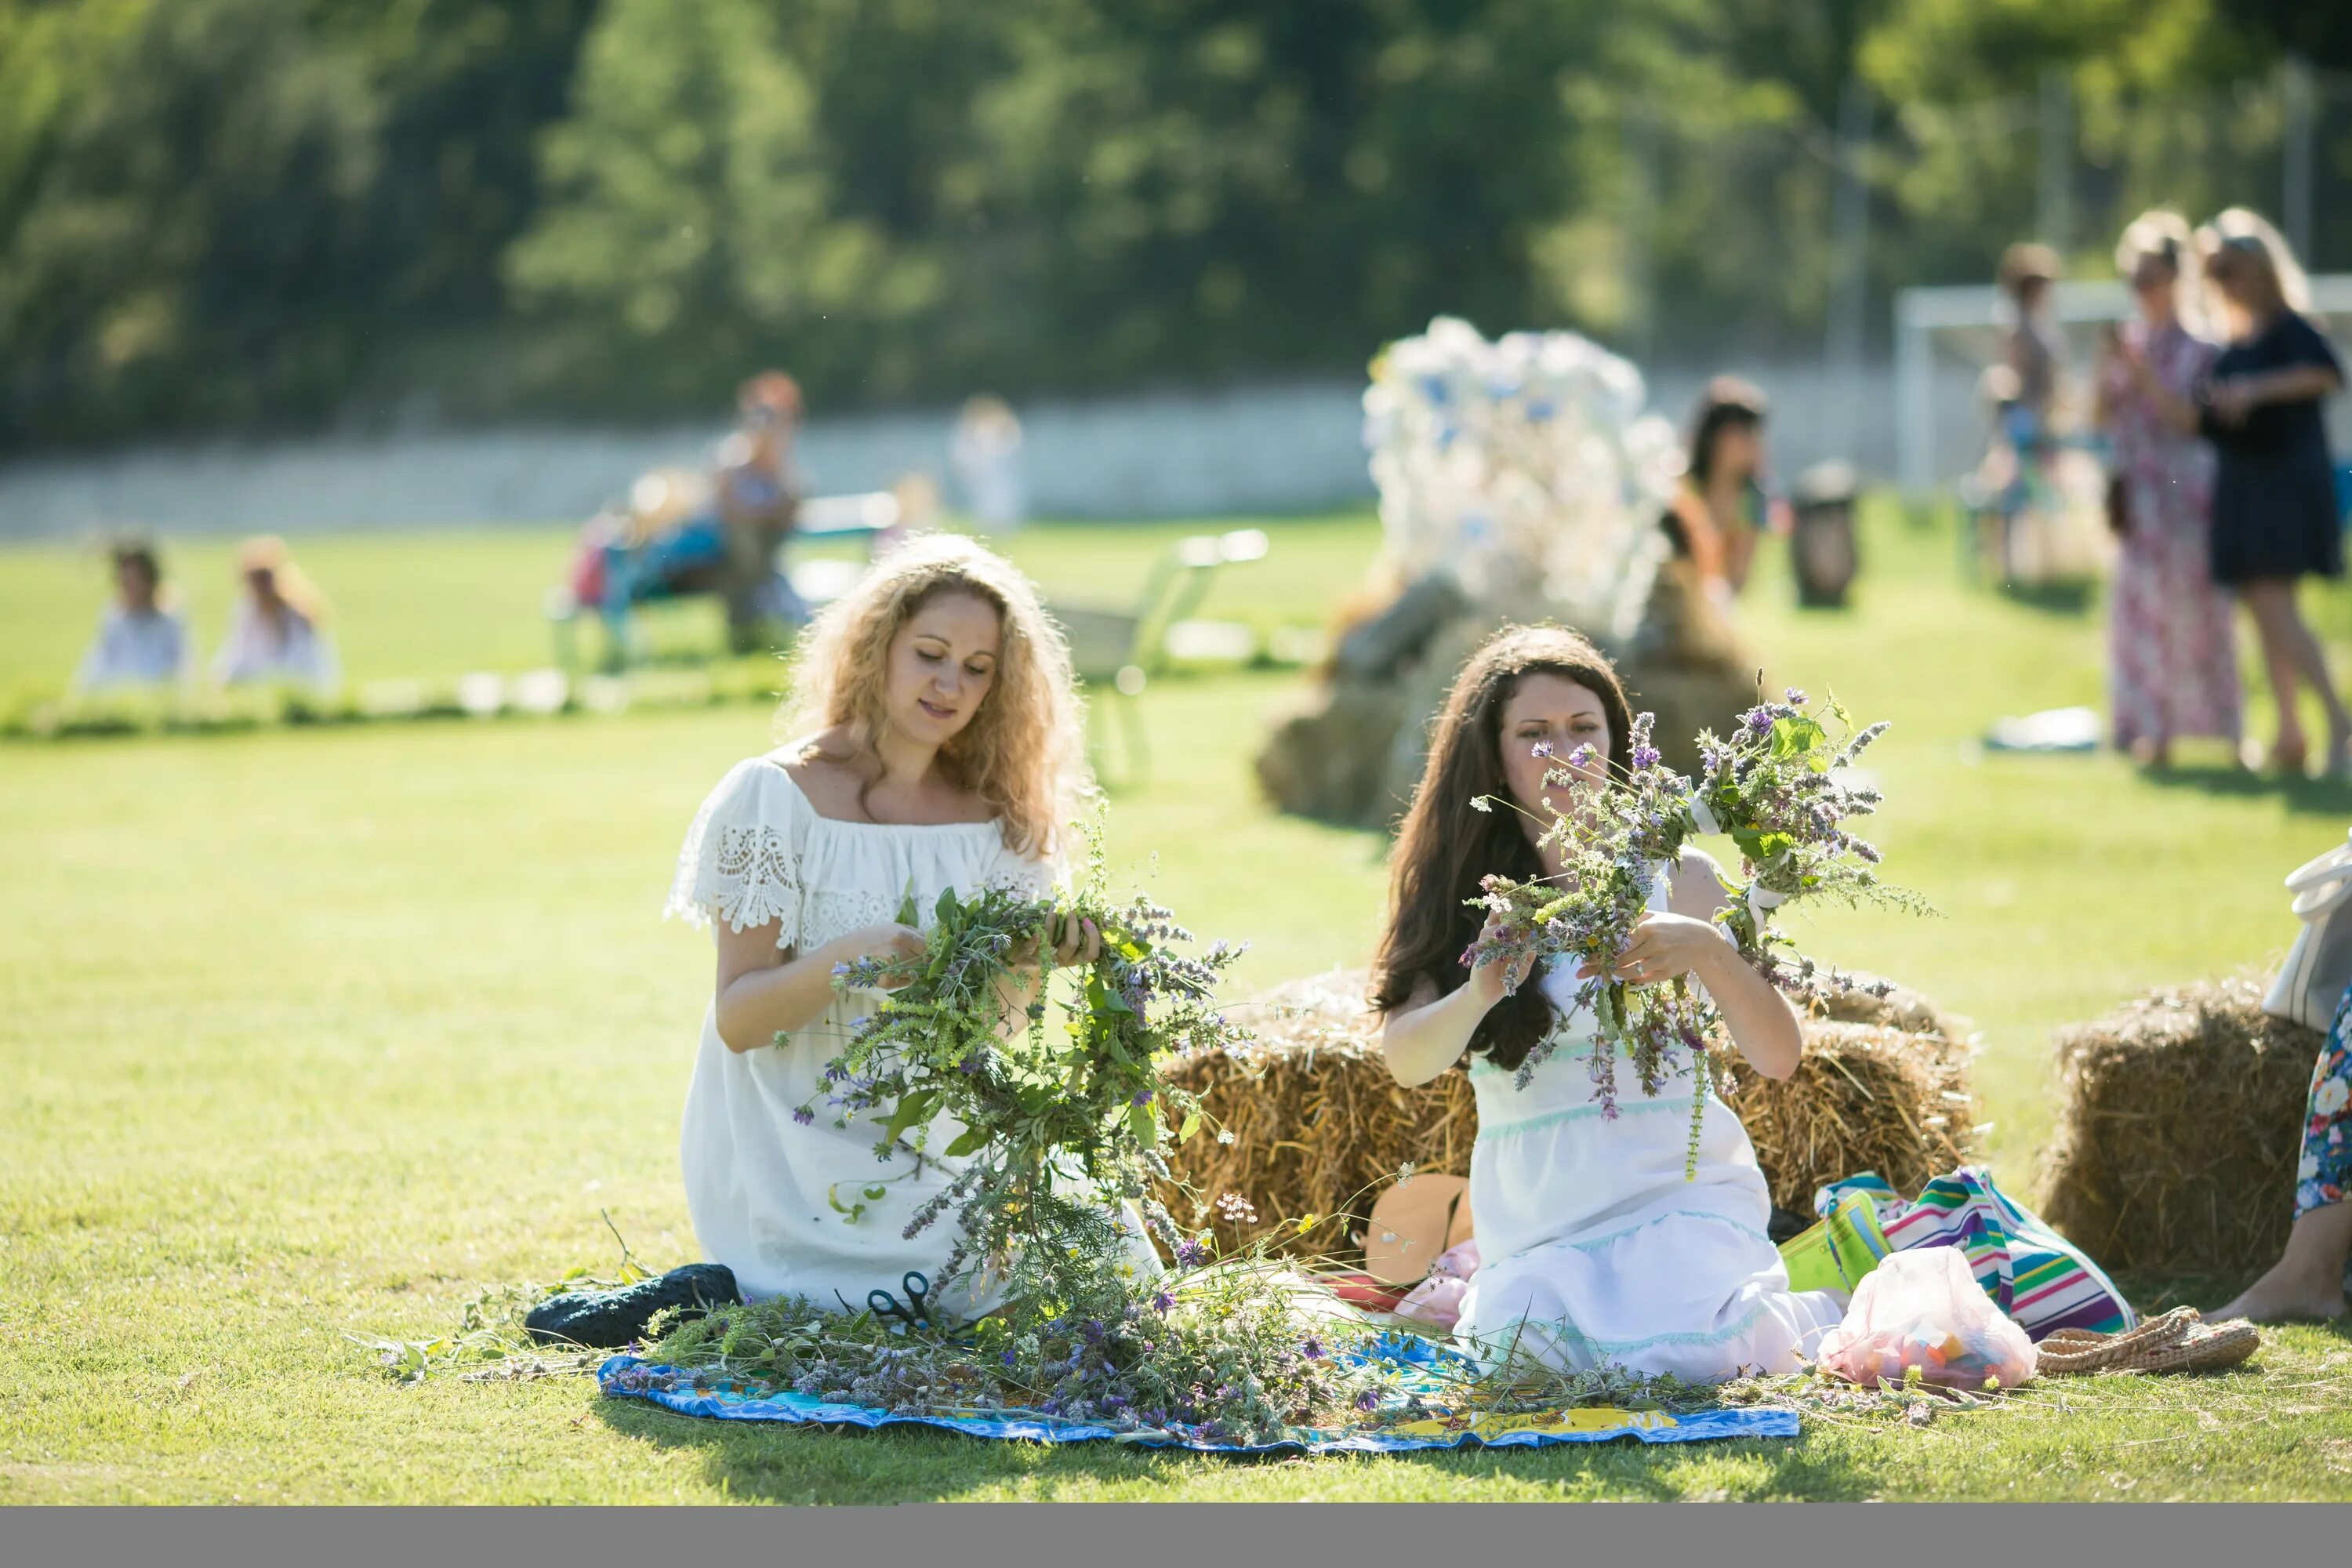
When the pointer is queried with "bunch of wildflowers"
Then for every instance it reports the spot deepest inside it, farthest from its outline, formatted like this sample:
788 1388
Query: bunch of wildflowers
1777 788
1053 1122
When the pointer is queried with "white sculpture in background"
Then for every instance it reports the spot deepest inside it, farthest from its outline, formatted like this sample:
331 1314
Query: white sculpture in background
1523 463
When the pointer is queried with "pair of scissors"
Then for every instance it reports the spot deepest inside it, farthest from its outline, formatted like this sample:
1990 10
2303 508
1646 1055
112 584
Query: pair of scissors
914 1312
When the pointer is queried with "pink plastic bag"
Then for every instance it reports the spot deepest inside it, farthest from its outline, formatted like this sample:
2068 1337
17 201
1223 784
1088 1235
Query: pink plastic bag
1925 1309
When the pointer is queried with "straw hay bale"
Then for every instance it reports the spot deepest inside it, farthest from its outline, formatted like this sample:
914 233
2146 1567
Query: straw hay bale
1901 1008
1319 1127
1317 763
2176 1148
1865 1097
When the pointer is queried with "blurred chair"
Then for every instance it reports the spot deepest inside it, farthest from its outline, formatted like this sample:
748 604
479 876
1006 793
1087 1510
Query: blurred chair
1118 651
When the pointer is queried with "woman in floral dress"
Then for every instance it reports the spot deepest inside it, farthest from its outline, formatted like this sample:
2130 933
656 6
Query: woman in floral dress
2173 665
2308 1280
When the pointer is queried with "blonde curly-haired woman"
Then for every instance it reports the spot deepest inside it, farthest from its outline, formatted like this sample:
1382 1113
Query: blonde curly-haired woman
937 746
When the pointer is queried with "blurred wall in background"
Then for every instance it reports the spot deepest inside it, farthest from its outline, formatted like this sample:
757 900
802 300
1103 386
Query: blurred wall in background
1266 449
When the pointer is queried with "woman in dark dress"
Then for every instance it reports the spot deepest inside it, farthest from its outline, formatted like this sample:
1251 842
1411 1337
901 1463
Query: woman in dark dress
2274 511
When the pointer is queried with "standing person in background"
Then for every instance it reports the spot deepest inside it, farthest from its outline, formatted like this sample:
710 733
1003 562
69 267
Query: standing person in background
986 450
2172 659
2025 390
2033 349
142 638
279 630
2275 510
757 505
1721 509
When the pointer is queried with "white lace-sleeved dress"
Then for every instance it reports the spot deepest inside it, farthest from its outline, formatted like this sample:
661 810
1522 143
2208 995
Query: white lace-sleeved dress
1594 1248
762 1188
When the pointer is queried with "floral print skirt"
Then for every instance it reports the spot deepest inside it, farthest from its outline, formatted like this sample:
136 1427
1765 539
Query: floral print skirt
2327 1168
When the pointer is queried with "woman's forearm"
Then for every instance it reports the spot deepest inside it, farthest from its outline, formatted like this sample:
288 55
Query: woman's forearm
2295 384
1419 1042
755 1007
1762 1024
1015 990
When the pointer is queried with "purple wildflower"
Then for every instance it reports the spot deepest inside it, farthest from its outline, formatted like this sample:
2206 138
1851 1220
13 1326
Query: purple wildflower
1368 1401
804 1115
1311 1348
1163 1303
1142 1097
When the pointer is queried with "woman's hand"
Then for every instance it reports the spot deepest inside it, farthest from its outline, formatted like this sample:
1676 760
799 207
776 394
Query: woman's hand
889 942
2232 398
1665 947
1496 978
1077 939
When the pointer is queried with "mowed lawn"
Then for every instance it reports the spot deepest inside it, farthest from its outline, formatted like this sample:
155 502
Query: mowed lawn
311 1034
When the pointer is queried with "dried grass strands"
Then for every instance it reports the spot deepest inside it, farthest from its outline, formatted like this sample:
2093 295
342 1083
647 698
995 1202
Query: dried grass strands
1319 1127
2175 1146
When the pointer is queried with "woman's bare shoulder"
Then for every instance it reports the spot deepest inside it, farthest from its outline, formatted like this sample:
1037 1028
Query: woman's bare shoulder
820 766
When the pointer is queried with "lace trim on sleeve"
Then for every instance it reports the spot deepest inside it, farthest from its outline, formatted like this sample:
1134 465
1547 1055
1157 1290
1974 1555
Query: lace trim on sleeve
737 867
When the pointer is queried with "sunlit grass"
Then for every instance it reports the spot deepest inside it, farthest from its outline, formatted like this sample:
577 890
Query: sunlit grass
303 1033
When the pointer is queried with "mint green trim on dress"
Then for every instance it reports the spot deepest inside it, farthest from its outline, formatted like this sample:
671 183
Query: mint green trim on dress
1579 1113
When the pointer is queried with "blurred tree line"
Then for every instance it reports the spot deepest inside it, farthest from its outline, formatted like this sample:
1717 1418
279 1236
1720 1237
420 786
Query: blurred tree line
240 214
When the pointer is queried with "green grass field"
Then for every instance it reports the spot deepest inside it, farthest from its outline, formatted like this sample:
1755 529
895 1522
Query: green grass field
312 1033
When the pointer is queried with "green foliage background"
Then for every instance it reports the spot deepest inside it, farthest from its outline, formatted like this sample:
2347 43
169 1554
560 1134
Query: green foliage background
238 215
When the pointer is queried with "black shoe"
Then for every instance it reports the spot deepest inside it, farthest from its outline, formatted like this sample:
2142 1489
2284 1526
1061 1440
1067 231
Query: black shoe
608 1319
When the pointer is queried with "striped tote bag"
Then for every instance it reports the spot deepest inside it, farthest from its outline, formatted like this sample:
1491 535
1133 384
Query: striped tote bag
2037 1276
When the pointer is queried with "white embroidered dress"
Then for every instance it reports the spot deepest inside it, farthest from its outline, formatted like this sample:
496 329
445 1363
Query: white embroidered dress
762 1188
1594 1249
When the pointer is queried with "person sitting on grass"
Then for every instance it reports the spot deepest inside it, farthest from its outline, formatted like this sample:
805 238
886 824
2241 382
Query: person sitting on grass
142 638
1595 1247
279 630
2308 1279
935 747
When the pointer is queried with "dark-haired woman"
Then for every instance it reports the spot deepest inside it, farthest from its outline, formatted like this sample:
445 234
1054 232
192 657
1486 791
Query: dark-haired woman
1596 1248
141 637
1721 510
